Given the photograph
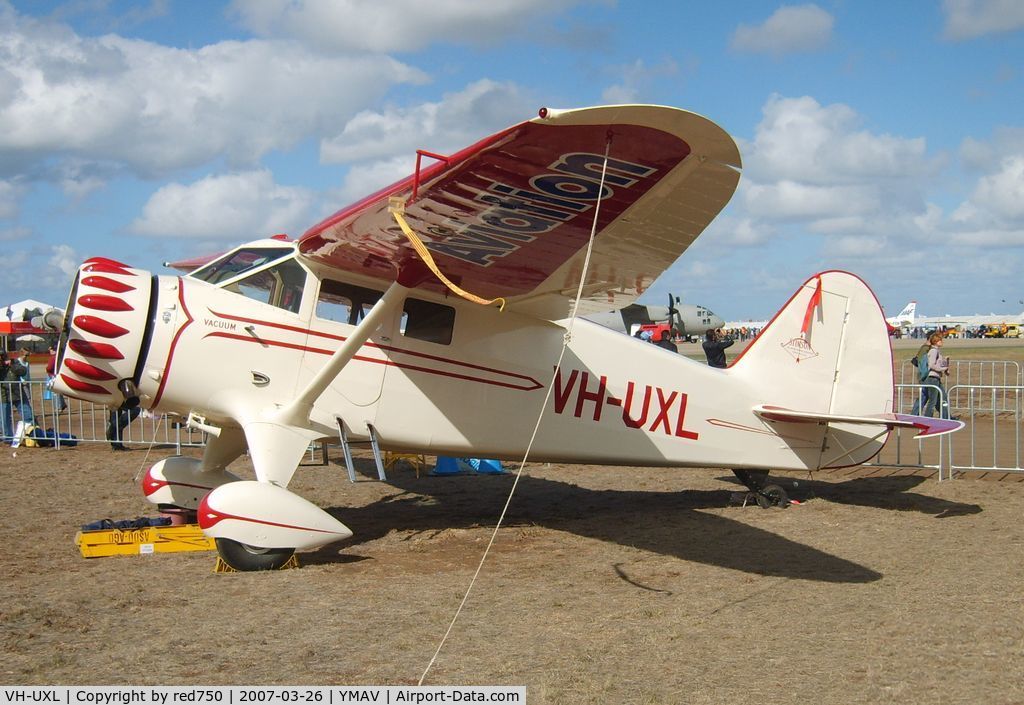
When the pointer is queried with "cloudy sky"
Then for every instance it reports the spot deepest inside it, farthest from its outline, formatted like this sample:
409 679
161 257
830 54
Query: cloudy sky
885 138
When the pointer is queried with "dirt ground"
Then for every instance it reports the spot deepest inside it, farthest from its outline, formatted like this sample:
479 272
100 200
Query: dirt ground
625 585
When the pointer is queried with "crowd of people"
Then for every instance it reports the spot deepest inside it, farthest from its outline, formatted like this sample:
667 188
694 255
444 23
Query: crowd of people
16 399
979 331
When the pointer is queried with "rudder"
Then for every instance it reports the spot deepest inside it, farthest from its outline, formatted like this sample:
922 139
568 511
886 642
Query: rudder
826 351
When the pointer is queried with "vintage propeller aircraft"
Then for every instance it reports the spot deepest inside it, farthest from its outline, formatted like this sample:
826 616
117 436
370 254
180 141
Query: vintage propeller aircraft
353 329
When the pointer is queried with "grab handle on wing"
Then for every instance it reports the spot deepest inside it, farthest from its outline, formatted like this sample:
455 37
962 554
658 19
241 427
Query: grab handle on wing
397 208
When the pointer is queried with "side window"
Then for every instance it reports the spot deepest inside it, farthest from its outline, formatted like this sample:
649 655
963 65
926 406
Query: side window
428 321
257 287
344 303
279 286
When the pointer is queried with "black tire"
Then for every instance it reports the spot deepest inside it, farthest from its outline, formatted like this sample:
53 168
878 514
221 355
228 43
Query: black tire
772 496
249 558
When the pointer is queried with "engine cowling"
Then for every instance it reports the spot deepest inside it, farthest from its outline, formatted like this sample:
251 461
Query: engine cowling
105 332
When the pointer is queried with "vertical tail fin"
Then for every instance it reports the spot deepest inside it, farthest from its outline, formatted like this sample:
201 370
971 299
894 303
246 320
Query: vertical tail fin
906 315
827 351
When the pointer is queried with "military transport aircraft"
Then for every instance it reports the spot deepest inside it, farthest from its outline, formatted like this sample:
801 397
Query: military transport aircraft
433 316
689 320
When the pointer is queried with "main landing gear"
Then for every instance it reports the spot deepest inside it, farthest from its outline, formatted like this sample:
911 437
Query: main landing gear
766 495
243 557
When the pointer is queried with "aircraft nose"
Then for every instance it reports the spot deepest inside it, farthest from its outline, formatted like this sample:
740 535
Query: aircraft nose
105 329
716 321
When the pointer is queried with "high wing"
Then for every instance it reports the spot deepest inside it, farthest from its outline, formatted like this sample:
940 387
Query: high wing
511 215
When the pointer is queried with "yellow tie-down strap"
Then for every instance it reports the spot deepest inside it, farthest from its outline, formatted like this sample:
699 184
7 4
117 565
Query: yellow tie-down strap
396 206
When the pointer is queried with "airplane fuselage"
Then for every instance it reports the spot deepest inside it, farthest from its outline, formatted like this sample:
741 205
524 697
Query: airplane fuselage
471 385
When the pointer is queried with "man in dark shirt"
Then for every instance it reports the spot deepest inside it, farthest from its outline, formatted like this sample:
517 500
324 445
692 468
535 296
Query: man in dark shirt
665 341
714 347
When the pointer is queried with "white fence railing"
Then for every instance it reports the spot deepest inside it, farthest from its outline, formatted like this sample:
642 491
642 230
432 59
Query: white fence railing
74 421
992 439
964 374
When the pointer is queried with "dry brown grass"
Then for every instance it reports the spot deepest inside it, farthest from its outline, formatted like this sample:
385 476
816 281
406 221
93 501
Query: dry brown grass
628 585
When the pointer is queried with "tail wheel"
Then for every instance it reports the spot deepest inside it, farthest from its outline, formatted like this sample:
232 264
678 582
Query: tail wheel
769 496
247 558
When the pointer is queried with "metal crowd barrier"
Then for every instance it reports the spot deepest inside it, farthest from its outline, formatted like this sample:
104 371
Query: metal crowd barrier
902 449
85 422
991 441
964 374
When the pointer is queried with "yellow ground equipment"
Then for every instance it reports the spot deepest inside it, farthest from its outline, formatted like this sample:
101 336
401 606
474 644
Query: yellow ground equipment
417 461
142 541
222 567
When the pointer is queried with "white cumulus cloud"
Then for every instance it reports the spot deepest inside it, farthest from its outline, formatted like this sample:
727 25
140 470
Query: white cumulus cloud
1002 193
454 122
10 194
233 207
64 259
800 139
986 155
791 29
634 80
393 26
857 246
380 146
970 19
19 232
792 200
154 109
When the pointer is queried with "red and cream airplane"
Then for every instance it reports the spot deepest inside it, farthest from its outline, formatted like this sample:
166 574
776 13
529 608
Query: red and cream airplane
351 331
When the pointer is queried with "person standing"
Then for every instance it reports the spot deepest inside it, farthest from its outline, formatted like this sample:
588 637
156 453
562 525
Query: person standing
51 375
665 341
714 346
118 422
23 401
920 361
938 367
11 372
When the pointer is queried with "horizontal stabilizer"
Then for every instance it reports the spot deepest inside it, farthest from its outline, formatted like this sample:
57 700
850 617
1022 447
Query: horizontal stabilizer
928 426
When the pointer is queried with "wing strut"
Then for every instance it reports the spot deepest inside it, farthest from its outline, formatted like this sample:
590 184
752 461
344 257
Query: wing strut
297 413
397 206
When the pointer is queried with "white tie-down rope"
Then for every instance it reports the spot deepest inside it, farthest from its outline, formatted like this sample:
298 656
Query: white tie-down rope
154 420
536 428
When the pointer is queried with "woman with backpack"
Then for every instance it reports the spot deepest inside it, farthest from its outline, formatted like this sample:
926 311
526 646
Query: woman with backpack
938 367
920 363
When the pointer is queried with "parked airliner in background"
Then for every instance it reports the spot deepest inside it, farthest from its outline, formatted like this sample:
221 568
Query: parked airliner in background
905 318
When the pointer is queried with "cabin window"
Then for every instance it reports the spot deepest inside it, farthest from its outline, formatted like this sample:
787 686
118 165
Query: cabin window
236 263
344 303
424 320
279 286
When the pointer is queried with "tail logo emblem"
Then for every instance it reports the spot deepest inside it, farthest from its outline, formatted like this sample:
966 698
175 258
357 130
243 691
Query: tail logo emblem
800 349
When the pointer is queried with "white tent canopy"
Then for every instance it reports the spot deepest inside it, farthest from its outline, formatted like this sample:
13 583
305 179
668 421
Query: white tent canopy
16 311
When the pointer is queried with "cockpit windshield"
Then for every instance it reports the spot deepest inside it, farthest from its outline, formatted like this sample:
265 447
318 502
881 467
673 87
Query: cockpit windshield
234 263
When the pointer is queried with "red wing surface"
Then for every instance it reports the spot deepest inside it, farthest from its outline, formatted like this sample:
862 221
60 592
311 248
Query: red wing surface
511 215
